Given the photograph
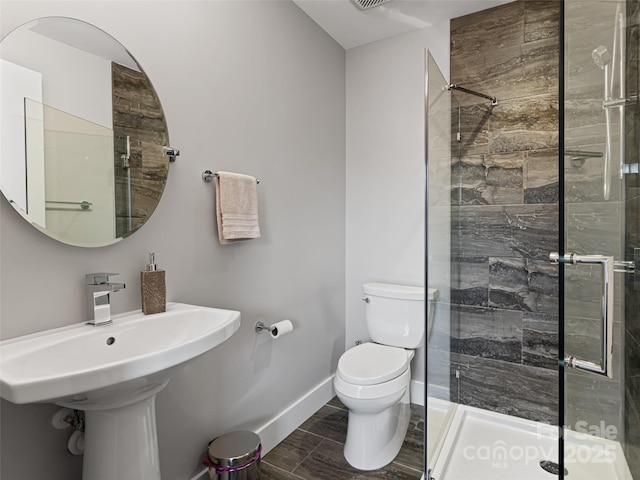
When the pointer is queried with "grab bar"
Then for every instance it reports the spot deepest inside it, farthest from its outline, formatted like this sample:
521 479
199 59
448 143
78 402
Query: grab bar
84 205
606 311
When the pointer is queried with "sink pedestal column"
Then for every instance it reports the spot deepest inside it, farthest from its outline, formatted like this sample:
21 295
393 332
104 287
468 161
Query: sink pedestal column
121 441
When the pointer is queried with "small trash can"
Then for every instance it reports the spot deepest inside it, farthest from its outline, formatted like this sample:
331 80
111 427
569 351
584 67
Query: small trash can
234 456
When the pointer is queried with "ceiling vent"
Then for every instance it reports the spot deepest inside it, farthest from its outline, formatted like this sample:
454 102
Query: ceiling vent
365 4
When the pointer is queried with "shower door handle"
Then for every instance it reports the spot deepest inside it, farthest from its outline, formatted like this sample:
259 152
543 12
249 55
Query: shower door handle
606 311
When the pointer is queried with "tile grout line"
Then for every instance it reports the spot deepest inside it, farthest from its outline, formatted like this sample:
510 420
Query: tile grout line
317 446
310 453
307 456
396 462
324 438
283 470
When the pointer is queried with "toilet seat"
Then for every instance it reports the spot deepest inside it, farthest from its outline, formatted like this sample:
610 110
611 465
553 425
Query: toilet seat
378 392
372 364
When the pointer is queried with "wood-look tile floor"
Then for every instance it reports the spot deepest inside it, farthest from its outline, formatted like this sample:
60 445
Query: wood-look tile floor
314 450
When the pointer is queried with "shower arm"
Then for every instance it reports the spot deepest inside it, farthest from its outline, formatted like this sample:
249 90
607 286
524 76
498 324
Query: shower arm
453 86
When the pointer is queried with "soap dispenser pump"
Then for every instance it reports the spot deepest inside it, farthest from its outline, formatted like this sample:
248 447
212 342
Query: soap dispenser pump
153 288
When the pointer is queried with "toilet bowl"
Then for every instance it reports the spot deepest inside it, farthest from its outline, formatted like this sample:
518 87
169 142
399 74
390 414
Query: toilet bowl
372 381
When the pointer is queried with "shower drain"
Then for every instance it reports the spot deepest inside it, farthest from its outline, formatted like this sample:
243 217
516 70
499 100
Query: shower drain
552 467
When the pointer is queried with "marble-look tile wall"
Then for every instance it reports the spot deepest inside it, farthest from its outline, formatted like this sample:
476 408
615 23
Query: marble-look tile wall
594 225
505 292
632 216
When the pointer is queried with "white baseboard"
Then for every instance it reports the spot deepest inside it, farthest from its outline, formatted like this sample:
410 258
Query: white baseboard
284 423
417 392
439 392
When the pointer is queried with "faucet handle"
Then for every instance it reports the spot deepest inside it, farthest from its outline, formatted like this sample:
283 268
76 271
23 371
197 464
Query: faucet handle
99 278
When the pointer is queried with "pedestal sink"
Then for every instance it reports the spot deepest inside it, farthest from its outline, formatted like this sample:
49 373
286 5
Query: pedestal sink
113 373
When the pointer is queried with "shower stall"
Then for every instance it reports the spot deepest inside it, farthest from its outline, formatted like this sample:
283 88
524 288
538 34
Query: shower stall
533 241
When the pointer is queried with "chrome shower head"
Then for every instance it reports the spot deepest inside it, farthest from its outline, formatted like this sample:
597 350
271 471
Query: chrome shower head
601 56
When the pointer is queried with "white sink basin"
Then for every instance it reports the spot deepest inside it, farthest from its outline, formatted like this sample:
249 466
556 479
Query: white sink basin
113 373
85 364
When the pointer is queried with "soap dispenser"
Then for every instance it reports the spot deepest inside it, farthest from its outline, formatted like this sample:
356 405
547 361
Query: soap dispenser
153 288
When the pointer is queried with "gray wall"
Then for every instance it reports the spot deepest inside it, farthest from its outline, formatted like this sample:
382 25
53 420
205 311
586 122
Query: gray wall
385 170
253 87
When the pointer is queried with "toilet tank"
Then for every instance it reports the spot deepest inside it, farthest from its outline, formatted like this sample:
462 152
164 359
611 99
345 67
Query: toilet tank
395 314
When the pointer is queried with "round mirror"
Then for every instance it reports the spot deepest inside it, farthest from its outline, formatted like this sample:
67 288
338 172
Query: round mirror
82 133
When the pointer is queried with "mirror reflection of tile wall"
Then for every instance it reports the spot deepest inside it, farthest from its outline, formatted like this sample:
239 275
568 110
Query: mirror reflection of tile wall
139 183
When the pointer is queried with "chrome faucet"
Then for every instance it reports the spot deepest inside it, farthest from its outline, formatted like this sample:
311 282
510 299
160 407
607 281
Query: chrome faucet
98 297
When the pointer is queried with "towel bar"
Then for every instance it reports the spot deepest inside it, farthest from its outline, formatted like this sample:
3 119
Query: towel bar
84 205
208 175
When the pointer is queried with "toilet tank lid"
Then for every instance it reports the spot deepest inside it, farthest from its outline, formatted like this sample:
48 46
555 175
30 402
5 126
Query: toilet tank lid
394 291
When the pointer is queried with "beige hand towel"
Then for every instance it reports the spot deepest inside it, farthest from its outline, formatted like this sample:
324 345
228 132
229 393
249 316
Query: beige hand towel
236 207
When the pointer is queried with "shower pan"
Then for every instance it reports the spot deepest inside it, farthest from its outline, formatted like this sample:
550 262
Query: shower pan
533 240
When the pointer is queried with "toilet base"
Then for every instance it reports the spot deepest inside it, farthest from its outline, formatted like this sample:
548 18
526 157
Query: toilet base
374 439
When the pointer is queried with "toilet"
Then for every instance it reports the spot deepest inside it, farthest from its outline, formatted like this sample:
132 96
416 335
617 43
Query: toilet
372 379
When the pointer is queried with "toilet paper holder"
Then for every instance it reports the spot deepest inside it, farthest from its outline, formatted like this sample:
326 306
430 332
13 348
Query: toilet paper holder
261 326
278 329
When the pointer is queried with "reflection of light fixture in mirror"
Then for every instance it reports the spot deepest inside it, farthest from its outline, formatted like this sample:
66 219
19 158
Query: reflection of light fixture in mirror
366 4
77 110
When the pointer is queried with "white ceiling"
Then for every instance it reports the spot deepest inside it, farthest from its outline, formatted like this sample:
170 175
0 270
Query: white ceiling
350 26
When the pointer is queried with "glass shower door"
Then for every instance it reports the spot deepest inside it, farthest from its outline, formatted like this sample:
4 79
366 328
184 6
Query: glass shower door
440 386
600 335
